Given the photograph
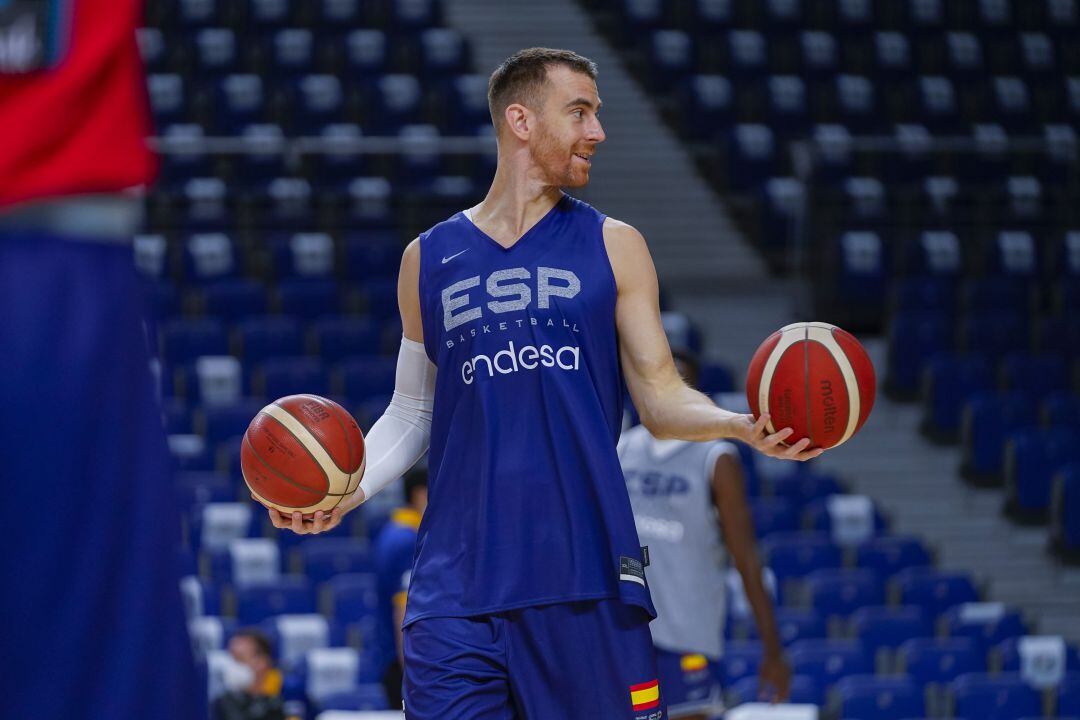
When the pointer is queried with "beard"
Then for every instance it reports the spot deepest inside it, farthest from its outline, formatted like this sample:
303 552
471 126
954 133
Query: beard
556 161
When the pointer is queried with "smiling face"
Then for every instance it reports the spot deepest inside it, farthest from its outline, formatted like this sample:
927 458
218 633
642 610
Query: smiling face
567 128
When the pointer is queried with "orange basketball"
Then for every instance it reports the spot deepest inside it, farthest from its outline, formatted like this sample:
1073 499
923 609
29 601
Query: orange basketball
302 452
814 378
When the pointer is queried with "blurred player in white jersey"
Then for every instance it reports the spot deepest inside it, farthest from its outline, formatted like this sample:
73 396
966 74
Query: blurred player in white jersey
689 501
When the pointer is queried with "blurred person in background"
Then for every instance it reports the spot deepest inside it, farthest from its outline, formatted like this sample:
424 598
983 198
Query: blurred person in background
253 685
91 615
394 550
689 501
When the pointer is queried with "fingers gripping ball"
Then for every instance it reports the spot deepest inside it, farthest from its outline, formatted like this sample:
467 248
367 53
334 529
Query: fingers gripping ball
302 453
814 378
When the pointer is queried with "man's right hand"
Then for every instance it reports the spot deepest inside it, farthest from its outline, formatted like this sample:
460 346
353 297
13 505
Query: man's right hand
321 522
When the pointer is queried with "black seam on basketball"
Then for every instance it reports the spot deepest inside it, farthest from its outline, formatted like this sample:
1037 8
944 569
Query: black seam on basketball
271 468
344 434
806 384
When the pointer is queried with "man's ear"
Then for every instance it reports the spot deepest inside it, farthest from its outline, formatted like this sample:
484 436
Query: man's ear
519 120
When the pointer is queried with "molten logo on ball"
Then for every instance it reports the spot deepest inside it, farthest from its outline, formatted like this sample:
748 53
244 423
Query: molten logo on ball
814 378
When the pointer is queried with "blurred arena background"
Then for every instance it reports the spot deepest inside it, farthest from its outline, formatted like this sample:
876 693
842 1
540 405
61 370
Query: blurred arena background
906 169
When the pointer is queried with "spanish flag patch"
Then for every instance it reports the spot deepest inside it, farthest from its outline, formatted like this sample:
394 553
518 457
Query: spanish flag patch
645 696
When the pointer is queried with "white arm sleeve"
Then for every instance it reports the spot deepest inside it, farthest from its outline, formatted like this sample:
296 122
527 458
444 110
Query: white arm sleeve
398 439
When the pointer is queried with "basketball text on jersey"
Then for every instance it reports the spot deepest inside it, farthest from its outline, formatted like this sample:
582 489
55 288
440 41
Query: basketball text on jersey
459 309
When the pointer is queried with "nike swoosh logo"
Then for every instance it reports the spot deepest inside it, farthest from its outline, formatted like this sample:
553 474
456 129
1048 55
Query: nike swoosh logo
448 259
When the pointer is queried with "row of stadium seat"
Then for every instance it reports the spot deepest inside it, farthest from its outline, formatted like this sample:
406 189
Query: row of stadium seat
309 104
853 17
190 15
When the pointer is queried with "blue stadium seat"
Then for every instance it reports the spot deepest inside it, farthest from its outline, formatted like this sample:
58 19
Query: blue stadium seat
352 596
892 55
466 104
996 293
994 697
1065 513
841 591
923 294
263 155
286 203
740 660
886 627
819 518
834 158
788 104
190 453
291 52
914 338
803 690
752 156
365 51
372 254
1035 374
443 52
240 100
190 159
205 204
337 338
868 696
215 51
819 54
804 487
950 379
862 276
303 255
278 377
672 57
934 253
889 555
184 339
857 102
368 202
369 697
269 336
964 55
1058 335
362 378
1032 457
797 554
380 299
269 14
198 488
309 297
292 636
244 562
256 603
168 98
333 168
988 419
938 105
709 100
993 333
793 624
773 515
935 591
234 298
940 660
224 423
987 623
1060 408
398 101
414 14
315 100
1009 652
324 558
1068 695
210 256
829 660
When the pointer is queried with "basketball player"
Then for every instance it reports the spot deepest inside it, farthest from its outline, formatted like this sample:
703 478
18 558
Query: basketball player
684 496
528 596
91 619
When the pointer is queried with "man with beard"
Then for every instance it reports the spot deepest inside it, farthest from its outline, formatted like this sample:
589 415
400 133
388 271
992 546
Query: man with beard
528 595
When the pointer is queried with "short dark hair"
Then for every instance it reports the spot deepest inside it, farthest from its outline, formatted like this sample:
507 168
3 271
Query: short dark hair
414 480
262 641
521 77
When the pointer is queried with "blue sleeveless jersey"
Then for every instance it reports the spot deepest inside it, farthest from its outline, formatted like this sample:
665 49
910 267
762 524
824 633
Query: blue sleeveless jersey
527 502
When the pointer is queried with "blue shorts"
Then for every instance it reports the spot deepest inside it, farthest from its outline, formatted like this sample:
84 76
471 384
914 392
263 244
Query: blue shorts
689 683
586 660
